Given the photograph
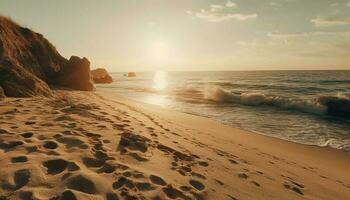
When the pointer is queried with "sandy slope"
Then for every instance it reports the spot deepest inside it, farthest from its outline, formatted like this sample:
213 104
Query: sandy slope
84 146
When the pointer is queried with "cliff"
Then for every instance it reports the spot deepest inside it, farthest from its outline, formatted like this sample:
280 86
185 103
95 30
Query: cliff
29 63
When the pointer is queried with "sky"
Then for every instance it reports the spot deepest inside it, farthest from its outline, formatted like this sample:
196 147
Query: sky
181 35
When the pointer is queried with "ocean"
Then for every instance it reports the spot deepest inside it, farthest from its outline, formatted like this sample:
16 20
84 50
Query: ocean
308 107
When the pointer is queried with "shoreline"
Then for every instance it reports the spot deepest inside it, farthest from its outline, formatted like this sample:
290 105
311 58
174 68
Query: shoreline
327 157
93 145
103 93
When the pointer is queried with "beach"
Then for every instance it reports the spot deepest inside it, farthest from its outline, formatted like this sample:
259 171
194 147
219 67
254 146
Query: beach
98 145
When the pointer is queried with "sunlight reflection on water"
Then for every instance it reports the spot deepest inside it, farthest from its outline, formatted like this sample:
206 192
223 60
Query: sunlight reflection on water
155 99
160 81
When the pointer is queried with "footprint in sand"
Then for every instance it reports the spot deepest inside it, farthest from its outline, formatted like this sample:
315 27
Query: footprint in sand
26 195
81 183
4 131
219 182
67 195
133 142
98 146
157 180
144 186
294 188
198 175
255 183
106 141
72 166
27 135
20 178
185 188
71 142
111 196
233 161
119 183
19 159
50 145
203 163
55 166
242 175
174 193
197 184
10 145
134 145
92 162
231 197
29 122
106 168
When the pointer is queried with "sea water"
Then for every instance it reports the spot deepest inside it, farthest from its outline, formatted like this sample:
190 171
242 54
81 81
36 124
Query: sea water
291 105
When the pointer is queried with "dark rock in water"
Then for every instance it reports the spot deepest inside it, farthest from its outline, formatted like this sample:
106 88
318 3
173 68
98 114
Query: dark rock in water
131 74
101 75
29 63
339 107
76 74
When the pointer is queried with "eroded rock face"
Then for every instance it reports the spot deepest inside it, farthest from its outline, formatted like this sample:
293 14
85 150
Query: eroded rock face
18 82
101 75
76 74
29 63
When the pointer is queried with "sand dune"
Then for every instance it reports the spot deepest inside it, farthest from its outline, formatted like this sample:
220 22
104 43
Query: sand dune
81 145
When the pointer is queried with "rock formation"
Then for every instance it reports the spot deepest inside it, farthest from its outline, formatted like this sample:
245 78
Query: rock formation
101 75
76 74
29 64
131 74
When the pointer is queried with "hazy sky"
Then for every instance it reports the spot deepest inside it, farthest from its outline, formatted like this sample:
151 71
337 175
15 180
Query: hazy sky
137 35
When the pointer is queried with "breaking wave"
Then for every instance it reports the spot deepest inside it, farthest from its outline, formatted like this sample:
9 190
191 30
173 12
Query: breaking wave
333 105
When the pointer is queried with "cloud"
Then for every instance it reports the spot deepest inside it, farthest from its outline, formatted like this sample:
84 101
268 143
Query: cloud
230 4
218 17
280 35
216 7
348 4
275 5
218 13
320 21
334 4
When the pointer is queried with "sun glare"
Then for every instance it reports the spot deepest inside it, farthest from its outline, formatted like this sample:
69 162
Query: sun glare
160 80
160 51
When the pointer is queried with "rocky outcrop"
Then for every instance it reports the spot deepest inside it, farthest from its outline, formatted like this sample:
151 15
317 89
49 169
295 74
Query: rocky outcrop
131 74
17 81
76 74
29 64
101 75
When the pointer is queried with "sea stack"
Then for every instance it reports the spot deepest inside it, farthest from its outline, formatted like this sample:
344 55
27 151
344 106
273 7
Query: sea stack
100 75
30 64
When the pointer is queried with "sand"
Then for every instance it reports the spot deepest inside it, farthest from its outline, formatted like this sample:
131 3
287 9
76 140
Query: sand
85 145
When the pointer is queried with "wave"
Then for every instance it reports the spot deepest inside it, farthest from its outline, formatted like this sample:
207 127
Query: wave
334 81
338 105
298 88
